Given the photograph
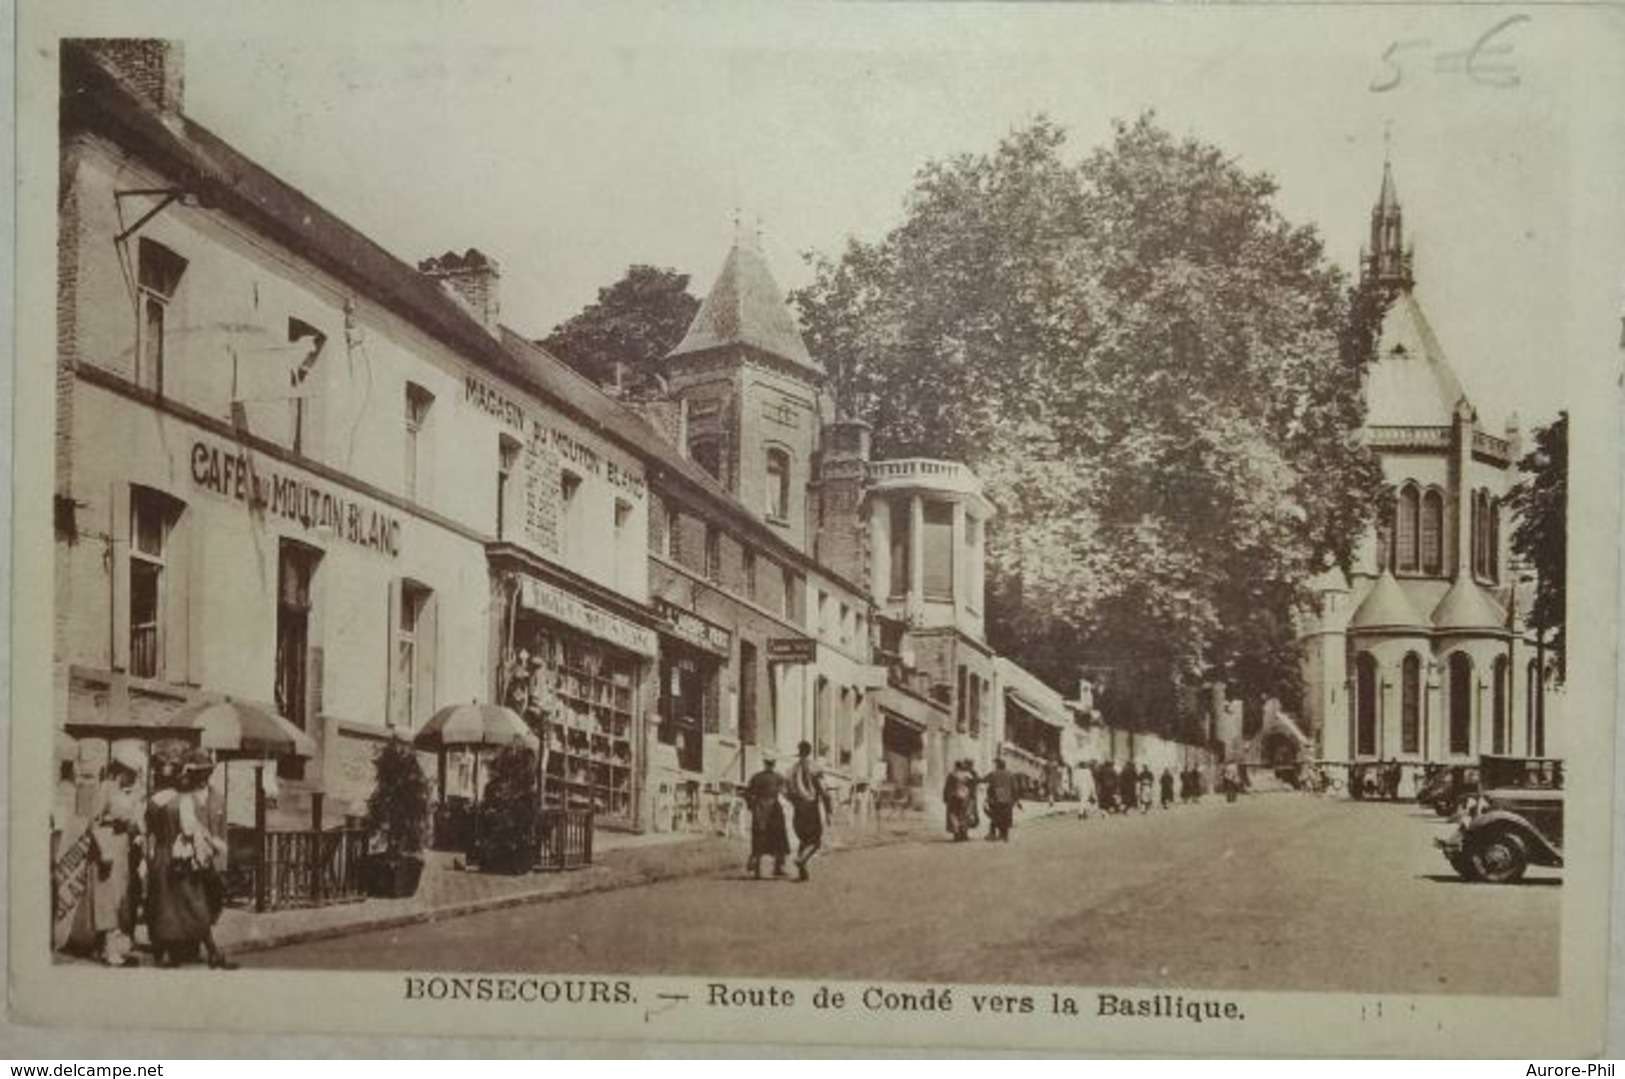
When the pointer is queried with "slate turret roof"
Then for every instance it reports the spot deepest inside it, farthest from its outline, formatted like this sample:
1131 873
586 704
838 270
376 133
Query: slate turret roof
746 308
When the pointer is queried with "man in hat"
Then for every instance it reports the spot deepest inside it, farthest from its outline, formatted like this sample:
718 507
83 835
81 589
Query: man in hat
809 801
1002 800
767 833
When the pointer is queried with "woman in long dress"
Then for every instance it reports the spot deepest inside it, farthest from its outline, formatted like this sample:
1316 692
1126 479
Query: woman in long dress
183 898
115 824
957 796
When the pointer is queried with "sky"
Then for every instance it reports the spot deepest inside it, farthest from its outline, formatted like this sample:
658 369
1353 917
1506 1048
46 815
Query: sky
570 142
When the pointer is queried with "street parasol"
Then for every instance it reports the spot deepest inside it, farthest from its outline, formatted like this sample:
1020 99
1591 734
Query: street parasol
475 724
235 728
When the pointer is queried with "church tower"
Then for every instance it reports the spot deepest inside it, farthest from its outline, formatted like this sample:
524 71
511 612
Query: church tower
1386 261
754 395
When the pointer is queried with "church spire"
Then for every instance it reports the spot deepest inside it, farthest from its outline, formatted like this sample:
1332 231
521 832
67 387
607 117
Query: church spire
1387 261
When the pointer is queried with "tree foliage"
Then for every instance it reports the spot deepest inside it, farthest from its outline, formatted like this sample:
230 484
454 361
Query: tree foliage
621 339
1158 379
1541 502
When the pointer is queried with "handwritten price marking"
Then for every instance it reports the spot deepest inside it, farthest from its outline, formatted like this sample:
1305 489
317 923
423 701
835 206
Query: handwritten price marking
1480 62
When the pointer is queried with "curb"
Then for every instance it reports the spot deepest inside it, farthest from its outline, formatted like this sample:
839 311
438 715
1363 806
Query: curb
610 882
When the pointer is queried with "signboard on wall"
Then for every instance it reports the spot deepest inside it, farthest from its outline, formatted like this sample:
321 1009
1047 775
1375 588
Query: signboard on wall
792 650
690 627
573 611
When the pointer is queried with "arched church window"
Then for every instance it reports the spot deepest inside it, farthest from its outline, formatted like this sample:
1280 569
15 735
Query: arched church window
1493 567
778 484
1461 703
1432 529
1405 555
1365 706
1502 733
1410 704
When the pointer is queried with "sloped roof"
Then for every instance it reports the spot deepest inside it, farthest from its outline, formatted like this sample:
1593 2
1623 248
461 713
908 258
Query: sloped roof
1411 383
1386 607
1468 606
225 179
746 307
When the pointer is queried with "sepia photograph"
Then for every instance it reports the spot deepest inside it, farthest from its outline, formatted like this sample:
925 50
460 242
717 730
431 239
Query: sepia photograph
915 524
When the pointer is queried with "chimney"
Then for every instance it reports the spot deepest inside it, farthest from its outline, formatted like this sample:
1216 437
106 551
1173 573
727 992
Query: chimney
152 68
472 278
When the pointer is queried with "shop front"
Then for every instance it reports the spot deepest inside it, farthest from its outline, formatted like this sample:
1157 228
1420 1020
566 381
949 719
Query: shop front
575 671
909 725
1032 747
693 655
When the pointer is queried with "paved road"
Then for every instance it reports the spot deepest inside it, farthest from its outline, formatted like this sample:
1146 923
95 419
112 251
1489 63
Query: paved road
1278 891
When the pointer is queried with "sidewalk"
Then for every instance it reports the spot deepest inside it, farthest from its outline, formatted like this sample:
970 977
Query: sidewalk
620 861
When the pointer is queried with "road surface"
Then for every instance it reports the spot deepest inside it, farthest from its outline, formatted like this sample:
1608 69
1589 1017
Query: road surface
1277 891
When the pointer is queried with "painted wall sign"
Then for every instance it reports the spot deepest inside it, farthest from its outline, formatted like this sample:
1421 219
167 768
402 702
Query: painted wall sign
555 603
232 473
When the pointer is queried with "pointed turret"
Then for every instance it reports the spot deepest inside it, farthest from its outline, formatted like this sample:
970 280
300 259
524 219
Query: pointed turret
1387 261
746 308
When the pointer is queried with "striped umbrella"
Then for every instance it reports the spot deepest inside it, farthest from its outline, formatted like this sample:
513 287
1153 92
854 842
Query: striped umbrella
240 729
475 724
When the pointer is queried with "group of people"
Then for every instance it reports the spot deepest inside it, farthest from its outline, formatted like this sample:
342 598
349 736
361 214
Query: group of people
959 796
809 804
1107 788
145 859
1377 779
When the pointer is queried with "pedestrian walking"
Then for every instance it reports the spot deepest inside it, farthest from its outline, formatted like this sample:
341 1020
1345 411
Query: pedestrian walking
809 803
1128 787
184 891
1146 787
116 823
957 795
768 838
1167 783
1086 790
1002 800
1231 780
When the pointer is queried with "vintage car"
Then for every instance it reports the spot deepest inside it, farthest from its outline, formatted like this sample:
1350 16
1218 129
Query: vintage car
1445 786
1515 820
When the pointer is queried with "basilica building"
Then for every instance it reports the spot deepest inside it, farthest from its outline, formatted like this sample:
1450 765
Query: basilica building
1421 652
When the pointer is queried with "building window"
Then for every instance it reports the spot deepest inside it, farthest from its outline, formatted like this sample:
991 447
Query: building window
1501 733
1486 535
748 571
409 698
962 699
1493 567
823 627
1405 553
937 550
821 715
790 586
507 460
1432 533
900 570
569 497
1365 706
296 574
778 485
1410 704
713 553
623 522
1461 704
418 403
749 717
674 533
153 515
707 453
158 276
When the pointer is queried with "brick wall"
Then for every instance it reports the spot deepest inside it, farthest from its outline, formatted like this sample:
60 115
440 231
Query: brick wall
151 67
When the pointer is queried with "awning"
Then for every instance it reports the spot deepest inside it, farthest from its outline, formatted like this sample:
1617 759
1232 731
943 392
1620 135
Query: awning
1037 711
914 711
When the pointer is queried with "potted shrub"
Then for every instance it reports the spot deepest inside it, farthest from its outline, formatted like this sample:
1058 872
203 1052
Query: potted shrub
397 813
507 813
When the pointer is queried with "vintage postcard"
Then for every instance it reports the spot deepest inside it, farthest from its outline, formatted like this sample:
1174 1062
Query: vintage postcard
1012 526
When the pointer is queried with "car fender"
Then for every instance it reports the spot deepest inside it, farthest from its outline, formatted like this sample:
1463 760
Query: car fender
1498 819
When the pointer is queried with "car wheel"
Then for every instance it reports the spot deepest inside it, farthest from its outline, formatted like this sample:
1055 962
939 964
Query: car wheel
1463 866
1499 857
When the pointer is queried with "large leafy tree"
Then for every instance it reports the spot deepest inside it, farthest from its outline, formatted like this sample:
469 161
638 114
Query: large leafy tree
1157 377
1541 501
620 339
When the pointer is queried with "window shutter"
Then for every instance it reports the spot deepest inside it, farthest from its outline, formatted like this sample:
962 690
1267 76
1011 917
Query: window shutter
391 689
428 656
119 584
